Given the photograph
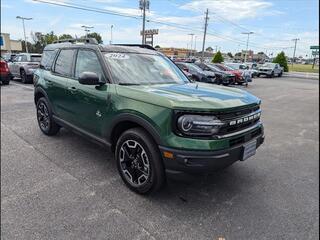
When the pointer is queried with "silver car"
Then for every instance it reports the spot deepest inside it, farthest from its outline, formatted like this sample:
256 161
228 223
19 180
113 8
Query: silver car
24 65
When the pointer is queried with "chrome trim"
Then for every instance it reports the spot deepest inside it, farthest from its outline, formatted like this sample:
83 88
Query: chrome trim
258 124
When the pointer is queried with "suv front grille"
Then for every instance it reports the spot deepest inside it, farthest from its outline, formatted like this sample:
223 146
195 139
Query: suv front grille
239 119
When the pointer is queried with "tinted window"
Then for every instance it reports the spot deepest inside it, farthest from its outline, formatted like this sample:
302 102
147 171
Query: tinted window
64 62
47 59
87 61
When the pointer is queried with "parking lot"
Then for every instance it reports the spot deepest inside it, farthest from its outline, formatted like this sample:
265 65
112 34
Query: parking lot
65 187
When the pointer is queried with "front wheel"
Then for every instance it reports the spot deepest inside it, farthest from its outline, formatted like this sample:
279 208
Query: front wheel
139 161
280 74
23 76
45 120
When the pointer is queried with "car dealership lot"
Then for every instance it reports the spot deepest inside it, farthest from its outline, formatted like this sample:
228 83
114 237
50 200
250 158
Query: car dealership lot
65 187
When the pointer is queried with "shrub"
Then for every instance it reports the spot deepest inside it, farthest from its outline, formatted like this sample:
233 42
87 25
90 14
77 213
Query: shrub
282 60
217 58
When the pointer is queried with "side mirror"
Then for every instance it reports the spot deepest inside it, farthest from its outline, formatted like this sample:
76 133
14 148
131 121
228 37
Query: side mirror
89 78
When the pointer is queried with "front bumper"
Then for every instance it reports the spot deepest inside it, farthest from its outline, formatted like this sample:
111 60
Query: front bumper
197 162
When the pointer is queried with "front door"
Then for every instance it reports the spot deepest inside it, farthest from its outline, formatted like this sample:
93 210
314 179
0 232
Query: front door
89 103
57 82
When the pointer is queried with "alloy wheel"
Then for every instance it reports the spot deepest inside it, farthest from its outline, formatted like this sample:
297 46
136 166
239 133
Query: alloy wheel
43 116
134 163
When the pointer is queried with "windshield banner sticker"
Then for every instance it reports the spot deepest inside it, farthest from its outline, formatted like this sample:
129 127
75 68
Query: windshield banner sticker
117 56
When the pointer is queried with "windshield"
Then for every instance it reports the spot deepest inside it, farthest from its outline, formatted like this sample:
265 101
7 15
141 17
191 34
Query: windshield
268 65
35 58
213 67
134 68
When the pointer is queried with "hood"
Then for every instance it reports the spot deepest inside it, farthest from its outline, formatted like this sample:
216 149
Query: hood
265 68
192 96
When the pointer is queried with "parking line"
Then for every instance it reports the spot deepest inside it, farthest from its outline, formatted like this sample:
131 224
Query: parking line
21 85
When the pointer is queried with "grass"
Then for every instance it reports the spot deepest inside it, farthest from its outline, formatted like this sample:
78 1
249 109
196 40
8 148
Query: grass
303 68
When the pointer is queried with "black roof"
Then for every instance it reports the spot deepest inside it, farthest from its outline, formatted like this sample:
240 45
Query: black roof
133 48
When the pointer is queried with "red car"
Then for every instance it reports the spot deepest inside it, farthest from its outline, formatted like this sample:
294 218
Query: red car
237 73
5 74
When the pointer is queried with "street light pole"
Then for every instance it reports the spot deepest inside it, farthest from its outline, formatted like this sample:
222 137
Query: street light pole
111 34
245 55
24 31
191 34
294 51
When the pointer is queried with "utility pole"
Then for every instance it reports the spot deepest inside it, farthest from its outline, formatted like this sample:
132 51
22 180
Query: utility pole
191 34
205 33
111 34
245 55
24 31
86 30
143 5
294 50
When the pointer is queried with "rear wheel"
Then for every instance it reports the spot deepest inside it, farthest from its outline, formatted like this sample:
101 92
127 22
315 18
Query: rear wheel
45 120
139 161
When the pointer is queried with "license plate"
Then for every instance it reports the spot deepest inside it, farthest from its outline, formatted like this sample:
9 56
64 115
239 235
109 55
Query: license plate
249 149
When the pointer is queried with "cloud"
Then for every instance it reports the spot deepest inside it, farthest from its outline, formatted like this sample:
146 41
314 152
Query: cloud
232 9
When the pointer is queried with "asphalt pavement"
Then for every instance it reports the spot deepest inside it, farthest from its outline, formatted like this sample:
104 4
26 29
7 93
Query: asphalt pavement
65 187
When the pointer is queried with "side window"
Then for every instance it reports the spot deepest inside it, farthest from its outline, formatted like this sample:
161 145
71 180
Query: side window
64 61
87 61
47 59
17 59
23 58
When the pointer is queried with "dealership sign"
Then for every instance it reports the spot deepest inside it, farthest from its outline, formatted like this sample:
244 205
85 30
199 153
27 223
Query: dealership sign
150 32
314 47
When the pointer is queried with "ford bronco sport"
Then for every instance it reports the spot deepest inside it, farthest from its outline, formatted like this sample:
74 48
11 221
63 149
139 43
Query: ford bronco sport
137 102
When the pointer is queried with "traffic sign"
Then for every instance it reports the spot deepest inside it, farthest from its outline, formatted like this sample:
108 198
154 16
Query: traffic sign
314 47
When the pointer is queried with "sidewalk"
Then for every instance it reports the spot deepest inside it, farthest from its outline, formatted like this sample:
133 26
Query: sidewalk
302 75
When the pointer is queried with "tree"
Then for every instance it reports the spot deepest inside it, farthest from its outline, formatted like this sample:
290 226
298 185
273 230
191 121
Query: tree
230 54
95 35
65 36
217 58
209 49
238 54
260 53
157 46
282 60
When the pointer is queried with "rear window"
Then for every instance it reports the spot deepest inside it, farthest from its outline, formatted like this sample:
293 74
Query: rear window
64 62
47 59
35 58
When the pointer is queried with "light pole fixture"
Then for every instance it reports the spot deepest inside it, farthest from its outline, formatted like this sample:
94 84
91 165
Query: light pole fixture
86 29
24 30
245 55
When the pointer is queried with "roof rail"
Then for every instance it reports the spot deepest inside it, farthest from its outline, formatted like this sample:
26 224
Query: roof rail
75 40
137 45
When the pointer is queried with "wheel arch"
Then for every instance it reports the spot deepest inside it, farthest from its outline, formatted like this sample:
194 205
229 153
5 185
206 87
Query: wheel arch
127 121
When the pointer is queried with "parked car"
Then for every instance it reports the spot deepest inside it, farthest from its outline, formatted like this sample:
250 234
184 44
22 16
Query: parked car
270 70
5 74
197 73
222 77
8 56
24 65
237 73
136 102
242 67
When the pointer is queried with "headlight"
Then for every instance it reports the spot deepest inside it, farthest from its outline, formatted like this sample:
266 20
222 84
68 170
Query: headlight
198 125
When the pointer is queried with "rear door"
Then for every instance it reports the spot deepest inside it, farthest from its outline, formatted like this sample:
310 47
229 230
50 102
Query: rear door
57 82
89 104
13 66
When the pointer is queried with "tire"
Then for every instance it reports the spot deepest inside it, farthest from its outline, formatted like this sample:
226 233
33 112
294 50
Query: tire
272 75
45 120
23 76
136 153
258 75
280 74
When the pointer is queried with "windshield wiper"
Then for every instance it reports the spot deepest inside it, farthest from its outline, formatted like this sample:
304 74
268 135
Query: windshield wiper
128 84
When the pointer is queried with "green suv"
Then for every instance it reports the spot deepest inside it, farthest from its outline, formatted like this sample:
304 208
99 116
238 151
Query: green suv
138 103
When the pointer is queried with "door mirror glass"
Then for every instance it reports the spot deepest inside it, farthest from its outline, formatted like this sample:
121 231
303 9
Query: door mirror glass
89 78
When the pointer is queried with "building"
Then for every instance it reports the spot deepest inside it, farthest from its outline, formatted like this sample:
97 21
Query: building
176 52
251 56
8 45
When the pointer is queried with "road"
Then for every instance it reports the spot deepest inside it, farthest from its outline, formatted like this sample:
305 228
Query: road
65 187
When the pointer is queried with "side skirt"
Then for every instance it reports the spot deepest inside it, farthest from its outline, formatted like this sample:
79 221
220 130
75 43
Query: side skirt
82 132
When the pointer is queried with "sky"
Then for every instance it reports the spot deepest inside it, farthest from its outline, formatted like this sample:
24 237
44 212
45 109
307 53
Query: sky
274 23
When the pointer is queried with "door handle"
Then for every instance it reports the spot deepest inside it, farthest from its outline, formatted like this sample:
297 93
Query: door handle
72 89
